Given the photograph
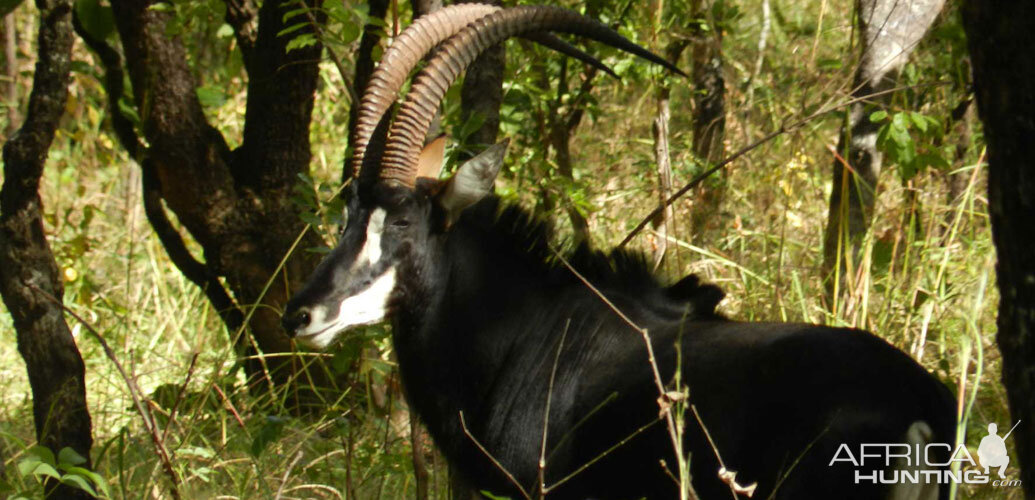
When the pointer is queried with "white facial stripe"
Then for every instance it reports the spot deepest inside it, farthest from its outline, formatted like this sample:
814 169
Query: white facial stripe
367 307
371 252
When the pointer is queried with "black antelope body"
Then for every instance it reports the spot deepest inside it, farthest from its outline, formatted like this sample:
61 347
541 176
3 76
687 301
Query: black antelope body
493 331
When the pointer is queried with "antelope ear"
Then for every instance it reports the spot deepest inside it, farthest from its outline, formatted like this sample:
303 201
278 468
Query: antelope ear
471 182
429 164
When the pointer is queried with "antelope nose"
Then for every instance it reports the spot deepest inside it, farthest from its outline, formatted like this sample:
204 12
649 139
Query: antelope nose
295 320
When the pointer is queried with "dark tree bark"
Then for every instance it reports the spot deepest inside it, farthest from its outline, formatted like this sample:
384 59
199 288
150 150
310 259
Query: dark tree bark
29 276
709 112
421 7
240 14
364 68
236 204
889 31
1001 35
482 95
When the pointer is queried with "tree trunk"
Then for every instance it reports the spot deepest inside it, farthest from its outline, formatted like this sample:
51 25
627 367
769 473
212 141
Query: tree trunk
236 204
661 151
421 7
889 31
1000 35
29 276
709 112
364 70
481 97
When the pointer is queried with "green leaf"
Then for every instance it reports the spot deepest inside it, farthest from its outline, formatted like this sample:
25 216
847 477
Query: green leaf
26 466
291 29
350 32
70 457
898 130
79 482
878 116
195 451
301 41
95 478
97 20
900 120
127 110
48 470
43 454
8 6
161 7
211 97
293 13
932 160
919 120
623 66
225 31
830 63
83 68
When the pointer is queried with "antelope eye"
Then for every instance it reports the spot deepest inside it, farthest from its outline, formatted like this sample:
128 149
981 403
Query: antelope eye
400 223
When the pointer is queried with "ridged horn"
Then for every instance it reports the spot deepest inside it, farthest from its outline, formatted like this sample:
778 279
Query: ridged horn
398 60
454 55
403 55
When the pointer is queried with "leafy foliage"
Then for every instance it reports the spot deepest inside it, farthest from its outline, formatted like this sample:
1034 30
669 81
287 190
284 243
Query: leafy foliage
40 463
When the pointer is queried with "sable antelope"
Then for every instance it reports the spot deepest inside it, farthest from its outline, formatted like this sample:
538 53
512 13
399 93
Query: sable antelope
499 341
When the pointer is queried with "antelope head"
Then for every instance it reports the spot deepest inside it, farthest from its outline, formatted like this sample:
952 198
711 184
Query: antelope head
398 210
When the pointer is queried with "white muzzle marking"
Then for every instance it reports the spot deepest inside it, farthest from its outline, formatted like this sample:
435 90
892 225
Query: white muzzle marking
367 307
364 308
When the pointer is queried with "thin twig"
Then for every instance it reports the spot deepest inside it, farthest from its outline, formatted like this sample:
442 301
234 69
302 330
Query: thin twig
603 454
513 480
287 472
663 396
180 395
727 476
134 392
230 406
546 413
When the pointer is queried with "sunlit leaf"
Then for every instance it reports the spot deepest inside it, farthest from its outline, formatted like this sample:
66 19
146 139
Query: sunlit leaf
71 457
79 482
97 20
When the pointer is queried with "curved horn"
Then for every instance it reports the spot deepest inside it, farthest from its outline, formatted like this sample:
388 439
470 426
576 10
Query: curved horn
412 122
403 55
398 60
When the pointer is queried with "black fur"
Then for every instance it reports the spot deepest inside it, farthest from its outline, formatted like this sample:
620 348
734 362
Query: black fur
771 395
485 315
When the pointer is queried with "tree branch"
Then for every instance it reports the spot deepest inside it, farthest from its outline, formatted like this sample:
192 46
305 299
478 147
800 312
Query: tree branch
194 270
114 76
281 93
365 62
240 15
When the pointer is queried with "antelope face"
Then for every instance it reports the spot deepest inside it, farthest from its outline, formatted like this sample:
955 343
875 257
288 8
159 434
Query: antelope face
389 231
353 285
